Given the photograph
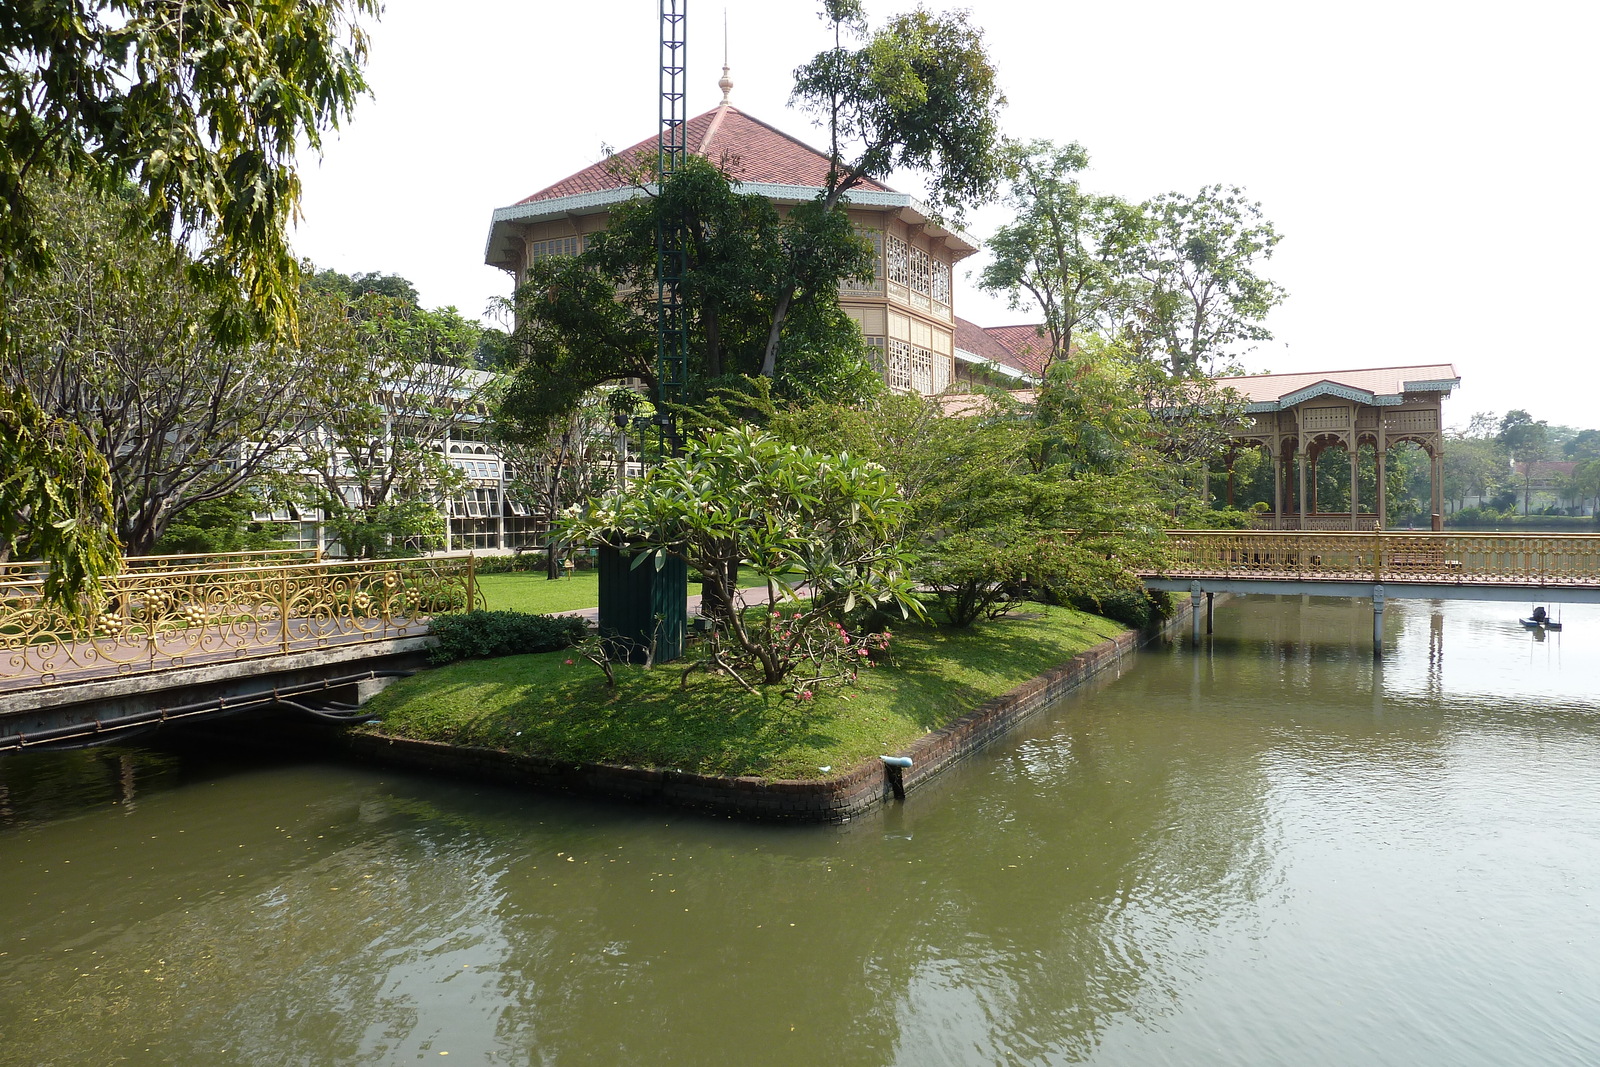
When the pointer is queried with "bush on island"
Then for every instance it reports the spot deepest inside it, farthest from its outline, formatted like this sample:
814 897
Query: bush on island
502 633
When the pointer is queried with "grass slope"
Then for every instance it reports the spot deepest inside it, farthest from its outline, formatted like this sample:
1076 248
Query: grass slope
544 705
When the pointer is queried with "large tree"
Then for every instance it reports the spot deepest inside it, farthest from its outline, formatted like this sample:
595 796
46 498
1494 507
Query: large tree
203 105
1201 294
1527 441
919 94
112 338
375 464
574 462
1065 250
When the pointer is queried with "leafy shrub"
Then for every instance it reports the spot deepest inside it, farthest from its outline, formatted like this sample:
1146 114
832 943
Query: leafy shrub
1133 608
502 633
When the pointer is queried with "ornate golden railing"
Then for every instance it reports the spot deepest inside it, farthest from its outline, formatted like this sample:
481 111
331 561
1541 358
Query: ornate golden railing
154 619
187 561
1488 559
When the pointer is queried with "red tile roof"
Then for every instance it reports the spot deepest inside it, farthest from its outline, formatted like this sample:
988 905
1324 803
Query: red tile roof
1546 468
1029 347
747 148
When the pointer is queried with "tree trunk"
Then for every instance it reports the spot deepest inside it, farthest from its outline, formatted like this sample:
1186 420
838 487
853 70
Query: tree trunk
780 312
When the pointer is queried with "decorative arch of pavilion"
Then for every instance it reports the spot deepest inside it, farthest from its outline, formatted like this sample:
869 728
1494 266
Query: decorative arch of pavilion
1295 417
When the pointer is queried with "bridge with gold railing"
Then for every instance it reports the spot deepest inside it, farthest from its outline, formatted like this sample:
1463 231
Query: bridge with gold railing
234 622
1530 568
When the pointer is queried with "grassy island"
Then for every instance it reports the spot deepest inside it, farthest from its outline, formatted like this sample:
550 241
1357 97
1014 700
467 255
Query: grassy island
556 704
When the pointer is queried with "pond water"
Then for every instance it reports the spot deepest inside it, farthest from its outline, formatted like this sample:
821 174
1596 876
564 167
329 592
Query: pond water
1270 851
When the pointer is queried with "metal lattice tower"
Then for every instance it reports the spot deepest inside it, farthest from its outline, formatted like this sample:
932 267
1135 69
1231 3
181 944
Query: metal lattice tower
672 332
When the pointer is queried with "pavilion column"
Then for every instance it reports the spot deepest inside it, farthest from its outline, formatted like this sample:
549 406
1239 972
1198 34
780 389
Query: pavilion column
1381 465
1436 478
1300 497
1355 484
1277 488
1311 479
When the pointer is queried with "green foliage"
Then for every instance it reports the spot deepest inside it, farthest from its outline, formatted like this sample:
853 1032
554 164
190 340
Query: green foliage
393 323
1065 250
221 525
112 337
1527 442
1002 508
1472 467
919 94
1199 293
55 503
577 460
203 105
477 634
374 464
751 276
1133 608
793 516
353 287
1585 444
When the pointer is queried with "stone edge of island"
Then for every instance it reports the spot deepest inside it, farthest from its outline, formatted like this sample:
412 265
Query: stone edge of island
821 800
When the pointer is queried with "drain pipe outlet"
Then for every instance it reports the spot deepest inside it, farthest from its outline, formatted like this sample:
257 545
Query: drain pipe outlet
894 768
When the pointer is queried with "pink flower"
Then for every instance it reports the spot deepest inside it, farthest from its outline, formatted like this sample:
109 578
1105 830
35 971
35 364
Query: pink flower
859 652
569 662
805 694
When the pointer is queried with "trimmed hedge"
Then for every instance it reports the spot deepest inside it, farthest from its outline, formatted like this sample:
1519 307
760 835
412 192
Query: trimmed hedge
477 634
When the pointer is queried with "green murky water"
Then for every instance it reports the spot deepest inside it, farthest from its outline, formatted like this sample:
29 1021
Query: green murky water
1269 852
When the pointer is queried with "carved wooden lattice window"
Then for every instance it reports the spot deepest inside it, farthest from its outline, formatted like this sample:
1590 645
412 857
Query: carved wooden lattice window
941 283
897 262
898 371
921 370
920 271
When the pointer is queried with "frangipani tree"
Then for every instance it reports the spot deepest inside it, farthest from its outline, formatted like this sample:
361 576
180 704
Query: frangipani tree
824 531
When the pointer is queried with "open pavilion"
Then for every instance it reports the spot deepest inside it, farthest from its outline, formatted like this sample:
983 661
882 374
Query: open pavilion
1294 418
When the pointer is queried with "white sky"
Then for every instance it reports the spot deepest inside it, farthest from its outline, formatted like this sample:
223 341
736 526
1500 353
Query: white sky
1429 164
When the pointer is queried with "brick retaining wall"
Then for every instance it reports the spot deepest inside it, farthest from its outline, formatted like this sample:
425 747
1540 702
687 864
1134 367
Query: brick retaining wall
835 799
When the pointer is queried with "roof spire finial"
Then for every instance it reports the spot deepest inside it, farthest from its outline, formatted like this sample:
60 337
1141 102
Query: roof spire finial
725 83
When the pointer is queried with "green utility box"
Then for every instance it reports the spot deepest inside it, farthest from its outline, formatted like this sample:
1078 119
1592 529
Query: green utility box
643 603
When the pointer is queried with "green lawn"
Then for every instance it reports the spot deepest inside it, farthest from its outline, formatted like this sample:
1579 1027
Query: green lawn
532 592
545 705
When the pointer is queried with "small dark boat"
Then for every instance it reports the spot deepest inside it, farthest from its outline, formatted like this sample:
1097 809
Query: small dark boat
1532 624
1551 624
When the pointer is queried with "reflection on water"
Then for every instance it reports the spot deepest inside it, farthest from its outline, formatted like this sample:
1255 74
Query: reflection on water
1273 850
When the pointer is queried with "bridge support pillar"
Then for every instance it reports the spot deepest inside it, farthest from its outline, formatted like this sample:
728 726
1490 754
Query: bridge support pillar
1377 621
1209 597
1194 613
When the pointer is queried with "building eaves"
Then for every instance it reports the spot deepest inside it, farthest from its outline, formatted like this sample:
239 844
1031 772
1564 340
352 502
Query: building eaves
499 251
